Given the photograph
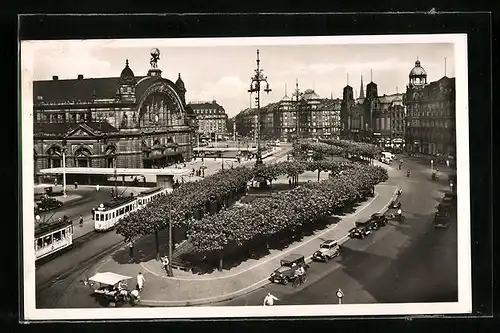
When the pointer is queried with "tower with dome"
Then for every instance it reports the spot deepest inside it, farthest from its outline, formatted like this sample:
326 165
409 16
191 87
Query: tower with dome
430 114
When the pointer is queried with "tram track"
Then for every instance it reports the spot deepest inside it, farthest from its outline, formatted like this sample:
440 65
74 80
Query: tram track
54 288
76 246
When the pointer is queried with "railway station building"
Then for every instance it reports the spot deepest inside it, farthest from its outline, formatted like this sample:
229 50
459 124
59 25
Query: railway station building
127 121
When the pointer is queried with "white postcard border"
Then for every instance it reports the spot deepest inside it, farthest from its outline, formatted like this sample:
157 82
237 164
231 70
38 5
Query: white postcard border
464 304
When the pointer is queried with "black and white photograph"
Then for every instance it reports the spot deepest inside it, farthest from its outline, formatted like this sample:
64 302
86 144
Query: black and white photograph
245 177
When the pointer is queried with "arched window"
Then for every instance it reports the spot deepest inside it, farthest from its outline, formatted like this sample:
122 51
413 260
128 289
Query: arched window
83 157
55 156
110 154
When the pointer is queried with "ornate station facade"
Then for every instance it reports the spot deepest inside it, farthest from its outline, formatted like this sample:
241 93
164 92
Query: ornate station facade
126 122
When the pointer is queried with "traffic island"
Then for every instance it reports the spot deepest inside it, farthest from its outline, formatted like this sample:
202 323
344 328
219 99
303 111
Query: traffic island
186 289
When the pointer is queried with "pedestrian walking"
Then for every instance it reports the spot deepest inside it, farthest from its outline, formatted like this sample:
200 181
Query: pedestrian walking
97 188
140 281
93 213
81 221
164 263
76 185
131 250
269 299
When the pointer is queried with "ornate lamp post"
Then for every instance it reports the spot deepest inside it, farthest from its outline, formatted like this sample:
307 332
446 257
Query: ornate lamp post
255 87
63 151
297 94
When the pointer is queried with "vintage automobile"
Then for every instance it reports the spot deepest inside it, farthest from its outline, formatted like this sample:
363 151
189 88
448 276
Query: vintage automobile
329 249
441 220
112 289
445 207
355 233
47 203
395 204
451 195
374 225
286 272
365 226
361 230
54 193
442 214
380 218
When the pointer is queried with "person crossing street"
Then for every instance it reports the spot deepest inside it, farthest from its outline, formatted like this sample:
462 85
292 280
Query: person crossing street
269 299
140 281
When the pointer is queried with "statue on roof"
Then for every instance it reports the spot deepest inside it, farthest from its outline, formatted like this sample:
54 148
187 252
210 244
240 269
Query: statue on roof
155 56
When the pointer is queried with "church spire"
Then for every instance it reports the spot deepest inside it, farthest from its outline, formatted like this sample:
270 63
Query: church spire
362 90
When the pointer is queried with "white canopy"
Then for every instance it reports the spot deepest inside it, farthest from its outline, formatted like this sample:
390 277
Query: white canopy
109 278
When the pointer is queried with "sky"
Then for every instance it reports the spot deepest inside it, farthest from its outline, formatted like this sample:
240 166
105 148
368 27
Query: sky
223 72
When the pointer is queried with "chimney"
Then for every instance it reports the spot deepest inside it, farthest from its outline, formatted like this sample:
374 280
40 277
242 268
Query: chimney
80 76
55 78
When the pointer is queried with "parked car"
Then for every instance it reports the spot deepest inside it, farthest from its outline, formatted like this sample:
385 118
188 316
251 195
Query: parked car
365 225
442 214
52 193
329 249
374 225
362 229
381 219
441 220
48 203
395 204
356 233
451 195
445 207
286 272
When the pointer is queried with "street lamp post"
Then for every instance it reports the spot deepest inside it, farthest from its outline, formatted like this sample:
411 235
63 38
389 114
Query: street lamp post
170 238
115 173
255 87
297 94
64 169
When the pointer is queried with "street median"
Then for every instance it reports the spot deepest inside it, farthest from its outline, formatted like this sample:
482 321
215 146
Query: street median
190 290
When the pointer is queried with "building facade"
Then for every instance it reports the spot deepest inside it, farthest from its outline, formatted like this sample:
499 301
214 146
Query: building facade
373 118
389 121
430 114
127 121
211 117
317 117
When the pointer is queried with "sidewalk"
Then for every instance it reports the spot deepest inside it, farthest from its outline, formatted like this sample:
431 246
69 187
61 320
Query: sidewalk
214 165
186 289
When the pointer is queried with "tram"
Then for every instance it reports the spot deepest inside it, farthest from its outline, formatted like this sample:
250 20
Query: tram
109 214
52 237
147 196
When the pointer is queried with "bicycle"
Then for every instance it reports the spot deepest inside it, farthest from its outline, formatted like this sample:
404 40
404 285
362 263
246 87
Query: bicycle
299 280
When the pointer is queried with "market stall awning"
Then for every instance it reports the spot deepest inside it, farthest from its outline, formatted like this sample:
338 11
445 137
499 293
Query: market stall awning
109 278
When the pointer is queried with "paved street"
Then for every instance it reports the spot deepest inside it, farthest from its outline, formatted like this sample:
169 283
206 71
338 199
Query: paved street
55 274
411 262
81 201
386 267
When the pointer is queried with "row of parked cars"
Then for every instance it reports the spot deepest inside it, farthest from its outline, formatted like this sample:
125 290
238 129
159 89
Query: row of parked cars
444 210
328 249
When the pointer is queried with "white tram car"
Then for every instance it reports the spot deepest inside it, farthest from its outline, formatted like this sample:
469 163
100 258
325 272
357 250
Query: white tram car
52 237
109 214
